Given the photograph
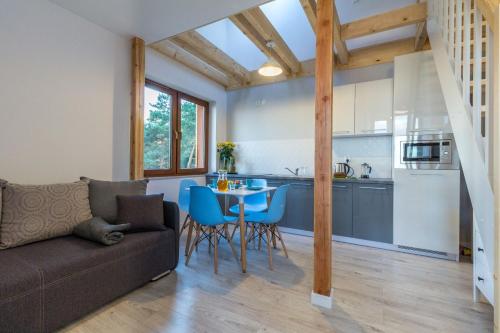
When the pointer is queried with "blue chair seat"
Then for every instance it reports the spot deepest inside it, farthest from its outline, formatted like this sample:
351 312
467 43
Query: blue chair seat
249 208
230 219
257 218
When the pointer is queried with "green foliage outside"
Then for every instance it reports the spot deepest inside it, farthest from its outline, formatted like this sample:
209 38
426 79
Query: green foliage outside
158 134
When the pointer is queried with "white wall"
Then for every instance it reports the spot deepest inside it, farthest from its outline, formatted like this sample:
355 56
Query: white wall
273 126
62 80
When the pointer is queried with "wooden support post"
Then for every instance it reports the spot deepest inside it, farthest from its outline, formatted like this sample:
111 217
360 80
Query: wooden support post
496 158
321 294
137 114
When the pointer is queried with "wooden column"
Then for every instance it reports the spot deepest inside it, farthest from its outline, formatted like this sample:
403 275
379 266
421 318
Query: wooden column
496 157
137 113
323 151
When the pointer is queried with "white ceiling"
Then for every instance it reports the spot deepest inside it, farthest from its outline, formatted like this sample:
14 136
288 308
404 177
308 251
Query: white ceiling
154 20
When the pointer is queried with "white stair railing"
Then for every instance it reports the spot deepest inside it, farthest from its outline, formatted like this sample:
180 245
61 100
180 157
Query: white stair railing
461 42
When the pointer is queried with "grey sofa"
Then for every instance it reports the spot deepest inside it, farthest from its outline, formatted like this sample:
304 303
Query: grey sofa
47 285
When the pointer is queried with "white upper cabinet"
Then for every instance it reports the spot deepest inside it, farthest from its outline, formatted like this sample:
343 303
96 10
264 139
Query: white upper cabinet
343 109
419 105
373 104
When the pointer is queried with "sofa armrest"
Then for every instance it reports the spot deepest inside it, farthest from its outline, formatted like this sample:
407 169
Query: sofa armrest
171 218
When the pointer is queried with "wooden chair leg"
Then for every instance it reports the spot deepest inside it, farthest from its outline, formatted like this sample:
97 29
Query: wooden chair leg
195 244
189 236
215 248
198 231
273 235
252 230
226 232
184 225
236 226
269 254
209 239
260 235
282 242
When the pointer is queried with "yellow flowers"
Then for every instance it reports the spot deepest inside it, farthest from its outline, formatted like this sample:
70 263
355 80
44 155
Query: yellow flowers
226 145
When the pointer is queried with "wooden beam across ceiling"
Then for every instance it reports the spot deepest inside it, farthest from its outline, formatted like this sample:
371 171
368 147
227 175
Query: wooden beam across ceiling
202 48
257 27
362 57
171 50
309 7
386 21
340 45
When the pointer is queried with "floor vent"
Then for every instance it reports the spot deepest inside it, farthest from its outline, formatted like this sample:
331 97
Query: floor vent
423 251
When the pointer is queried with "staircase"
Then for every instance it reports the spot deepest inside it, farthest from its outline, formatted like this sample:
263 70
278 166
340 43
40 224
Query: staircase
463 43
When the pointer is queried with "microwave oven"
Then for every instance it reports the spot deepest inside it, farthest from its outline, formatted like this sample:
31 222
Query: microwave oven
426 151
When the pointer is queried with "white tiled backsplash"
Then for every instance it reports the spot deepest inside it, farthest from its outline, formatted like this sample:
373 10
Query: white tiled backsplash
272 156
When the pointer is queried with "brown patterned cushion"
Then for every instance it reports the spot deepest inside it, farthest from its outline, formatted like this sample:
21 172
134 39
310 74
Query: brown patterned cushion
32 213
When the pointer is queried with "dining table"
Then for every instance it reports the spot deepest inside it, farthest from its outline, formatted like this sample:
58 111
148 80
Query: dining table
241 194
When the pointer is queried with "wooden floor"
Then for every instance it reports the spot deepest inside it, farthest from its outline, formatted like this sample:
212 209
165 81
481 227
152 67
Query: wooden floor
374 291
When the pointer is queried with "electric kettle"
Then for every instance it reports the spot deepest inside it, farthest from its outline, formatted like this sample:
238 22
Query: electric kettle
366 169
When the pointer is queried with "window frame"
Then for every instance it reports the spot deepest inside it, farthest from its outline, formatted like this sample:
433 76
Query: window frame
175 125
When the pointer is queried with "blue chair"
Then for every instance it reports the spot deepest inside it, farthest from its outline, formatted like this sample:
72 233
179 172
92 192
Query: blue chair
254 203
267 222
183 201
206 213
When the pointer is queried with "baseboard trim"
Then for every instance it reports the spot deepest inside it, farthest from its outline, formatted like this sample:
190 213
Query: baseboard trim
374 244
162 275
322 300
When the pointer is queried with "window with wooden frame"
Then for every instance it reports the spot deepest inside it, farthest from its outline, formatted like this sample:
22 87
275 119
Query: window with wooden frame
175 132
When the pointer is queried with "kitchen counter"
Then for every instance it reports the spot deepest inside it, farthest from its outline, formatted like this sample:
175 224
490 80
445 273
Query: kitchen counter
306 178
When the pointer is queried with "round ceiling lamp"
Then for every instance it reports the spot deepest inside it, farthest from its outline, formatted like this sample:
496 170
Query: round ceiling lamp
271 66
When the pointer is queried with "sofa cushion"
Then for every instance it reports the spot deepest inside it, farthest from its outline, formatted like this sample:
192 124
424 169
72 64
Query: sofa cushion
142 212
32 213
20 295
103 195
65 257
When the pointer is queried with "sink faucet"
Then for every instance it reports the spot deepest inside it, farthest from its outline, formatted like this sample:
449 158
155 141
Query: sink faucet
295 173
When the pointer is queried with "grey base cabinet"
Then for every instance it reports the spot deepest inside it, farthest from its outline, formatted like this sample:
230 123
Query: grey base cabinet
342 209
361 209
299 212
373 212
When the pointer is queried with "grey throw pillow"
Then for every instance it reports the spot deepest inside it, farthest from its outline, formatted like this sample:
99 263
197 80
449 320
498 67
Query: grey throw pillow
32 213
143 212
103 195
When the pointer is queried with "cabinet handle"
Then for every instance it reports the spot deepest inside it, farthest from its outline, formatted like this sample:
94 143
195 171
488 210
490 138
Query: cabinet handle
339 186
372 188
427 130
341 132
374 130
480 249
426 174
298 184
480 279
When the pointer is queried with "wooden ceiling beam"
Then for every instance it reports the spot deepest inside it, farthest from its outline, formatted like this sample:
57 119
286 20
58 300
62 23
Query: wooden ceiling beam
257 27
411 14
194 43
309 7
173 51
340 45
380 53
362 57
421 36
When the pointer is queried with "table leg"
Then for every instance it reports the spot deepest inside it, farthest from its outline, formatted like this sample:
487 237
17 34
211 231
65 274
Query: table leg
242 236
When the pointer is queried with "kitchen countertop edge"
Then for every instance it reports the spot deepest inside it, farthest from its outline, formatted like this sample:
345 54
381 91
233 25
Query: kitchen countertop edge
308 178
